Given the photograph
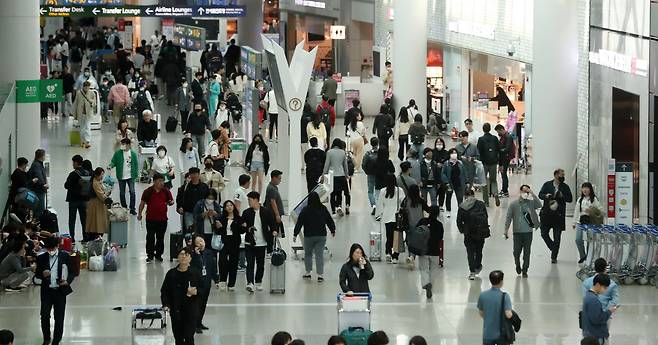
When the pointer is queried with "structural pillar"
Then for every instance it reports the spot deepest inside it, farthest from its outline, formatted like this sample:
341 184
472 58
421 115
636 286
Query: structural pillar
554 124
148 25
250 27
19 23
410 54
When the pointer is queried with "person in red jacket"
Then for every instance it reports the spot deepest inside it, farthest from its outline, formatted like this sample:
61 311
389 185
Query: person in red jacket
328 116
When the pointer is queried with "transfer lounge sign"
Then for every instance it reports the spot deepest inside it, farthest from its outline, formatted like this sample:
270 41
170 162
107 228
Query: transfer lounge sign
38 91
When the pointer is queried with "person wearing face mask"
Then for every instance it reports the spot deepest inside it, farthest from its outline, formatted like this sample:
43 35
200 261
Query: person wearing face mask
213 178
126 164
147 130
183 101
206 215
430 176
214 89
197 90
440 156
454 178
197 125
156 198
522 213
188 156
179 296
188 197
204 261
84 107
231 229
164 165
588 210
142 99
86 76
56 278
96 221
555 194
103 92
257 162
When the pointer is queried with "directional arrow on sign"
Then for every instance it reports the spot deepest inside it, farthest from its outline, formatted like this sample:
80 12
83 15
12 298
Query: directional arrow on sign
201 11
95 11
149 11
42 11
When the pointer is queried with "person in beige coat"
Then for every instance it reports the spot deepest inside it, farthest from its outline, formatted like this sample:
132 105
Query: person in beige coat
97 221
84 107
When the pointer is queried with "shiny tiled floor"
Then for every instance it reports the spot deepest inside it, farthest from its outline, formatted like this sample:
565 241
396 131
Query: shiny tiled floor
548 301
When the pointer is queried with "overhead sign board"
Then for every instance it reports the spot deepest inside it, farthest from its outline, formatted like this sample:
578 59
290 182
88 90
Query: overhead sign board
189 37
624 193
337 32
142 11
83 2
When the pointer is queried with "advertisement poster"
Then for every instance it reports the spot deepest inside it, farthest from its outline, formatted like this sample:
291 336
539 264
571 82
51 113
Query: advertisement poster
624 193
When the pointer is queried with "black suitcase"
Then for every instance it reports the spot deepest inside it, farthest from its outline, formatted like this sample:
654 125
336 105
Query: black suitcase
175 244
48 222
172 123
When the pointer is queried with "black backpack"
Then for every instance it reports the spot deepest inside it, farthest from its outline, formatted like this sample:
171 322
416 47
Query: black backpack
369 163
142 103
85 183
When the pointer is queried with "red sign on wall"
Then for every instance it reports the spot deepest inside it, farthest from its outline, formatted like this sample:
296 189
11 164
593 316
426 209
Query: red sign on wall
612 184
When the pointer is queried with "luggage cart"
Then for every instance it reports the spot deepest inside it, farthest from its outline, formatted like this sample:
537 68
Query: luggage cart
592 236
354 311
652 271
149 326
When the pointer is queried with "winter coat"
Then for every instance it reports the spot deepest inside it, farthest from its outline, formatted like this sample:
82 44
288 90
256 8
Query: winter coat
563 196
97 221
488 148
349 281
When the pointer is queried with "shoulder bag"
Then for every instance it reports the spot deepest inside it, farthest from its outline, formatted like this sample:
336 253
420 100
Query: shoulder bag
508 327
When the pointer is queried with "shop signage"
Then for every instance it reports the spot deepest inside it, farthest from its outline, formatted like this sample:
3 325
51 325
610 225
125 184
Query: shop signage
338 32
309 3
37 91
620 62
142 11
473 29
611 191
189 37
624 193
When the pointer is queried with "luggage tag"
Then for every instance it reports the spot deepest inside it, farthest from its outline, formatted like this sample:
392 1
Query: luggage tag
203 271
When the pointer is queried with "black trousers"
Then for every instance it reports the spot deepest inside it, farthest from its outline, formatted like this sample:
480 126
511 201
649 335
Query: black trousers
311 182
155 234
403 145
203 295
183 326
76 207
474 253
228 262
183 120
522 243
274 122
255 264
336 197
441 193
390 232
332 102
552 244
52 299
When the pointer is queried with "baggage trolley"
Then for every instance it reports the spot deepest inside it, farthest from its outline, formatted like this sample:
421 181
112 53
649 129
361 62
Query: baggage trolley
354 311
652 272
149 326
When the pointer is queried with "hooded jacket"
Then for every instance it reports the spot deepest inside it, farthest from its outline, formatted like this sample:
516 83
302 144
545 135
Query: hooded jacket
472 219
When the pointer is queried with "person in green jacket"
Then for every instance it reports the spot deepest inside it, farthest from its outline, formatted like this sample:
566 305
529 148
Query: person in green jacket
126 164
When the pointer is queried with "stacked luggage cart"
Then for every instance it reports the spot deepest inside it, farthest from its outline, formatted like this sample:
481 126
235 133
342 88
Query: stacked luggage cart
631 252
354 322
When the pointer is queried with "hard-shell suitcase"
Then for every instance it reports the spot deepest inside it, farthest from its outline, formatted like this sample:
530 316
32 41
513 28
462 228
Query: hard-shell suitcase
149 326
119 233
375 246
74 137
65 243
278 279
175 244
172 123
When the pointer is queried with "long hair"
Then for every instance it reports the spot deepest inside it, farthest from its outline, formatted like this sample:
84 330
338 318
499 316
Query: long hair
404 116
317 120
353 122
414 196
225 212
390 186
592 196
353 248
261 144
314 200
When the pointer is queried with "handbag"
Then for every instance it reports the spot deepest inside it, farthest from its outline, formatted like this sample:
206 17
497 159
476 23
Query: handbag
401 216
510 326
216 242
118 213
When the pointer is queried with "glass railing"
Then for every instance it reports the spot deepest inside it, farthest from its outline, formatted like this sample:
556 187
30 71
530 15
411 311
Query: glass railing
5 90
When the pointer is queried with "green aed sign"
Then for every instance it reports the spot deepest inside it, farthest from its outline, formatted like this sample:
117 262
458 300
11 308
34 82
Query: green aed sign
37 91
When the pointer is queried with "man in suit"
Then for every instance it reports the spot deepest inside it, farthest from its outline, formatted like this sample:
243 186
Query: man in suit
197 90
555 194
53 268
262 229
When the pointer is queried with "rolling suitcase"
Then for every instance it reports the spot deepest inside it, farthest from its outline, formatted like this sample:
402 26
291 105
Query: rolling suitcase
175 244
375 246
172 123
74 137
278 269
119 233
149 326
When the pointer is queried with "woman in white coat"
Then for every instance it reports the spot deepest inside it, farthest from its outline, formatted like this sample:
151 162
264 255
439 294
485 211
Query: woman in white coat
388 205
588 210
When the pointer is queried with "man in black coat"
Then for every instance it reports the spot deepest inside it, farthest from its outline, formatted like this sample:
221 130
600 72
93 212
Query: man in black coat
77 195
430 176
204 260
556 194
260 235
188 195
489 147
314 159
232 57
56 274
383 126
197 90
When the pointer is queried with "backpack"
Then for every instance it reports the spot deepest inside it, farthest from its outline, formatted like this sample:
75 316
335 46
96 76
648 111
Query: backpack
418 238
369 163
142 103
84 183
417 139
488 153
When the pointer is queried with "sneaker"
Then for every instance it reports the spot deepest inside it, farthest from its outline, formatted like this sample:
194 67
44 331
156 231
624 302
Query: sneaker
222 286
149 260
518 269
133 212
339 211
410 262
503 195
581 260
394 261
231 288
250 288
388 258
268 256
347 210
159 258
307 275
553 261
428 291
259 287
497 201
378 218
374 209
12 290
471 276
320 279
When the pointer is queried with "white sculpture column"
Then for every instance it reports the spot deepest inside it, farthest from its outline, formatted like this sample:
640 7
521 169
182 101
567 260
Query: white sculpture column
554 124
290 84
148 25
410 54
19 23
250 27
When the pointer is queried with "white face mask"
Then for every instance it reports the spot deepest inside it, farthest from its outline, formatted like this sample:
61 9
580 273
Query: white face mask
453 156
87 74
439 147
427 160
185 85
209 202
161 154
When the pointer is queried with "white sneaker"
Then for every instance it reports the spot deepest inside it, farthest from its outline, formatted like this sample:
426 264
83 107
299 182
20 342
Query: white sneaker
388 258
222 286
394 261
250 288
231 288
339 211
259 287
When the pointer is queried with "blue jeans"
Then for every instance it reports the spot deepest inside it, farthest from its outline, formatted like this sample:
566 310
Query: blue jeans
419 149
431 190
372 196
122 193
188 218
580 243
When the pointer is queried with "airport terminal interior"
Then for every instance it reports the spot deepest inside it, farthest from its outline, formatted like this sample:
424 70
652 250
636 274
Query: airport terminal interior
566 90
